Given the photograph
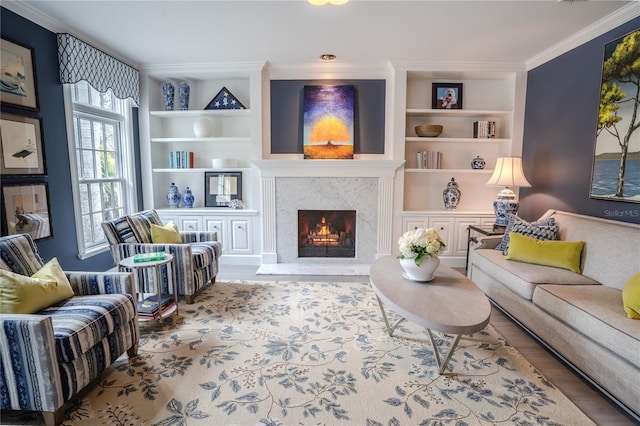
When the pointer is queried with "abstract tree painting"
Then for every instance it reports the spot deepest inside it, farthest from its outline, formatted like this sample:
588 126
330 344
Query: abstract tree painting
328 122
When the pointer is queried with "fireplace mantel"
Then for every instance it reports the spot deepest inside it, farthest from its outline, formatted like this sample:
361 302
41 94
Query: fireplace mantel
329 168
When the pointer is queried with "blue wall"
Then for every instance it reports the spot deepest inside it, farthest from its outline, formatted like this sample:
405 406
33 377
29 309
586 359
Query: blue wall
559 133
63 245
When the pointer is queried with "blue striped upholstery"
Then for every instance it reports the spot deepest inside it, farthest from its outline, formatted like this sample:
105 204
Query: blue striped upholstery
47 357
195 262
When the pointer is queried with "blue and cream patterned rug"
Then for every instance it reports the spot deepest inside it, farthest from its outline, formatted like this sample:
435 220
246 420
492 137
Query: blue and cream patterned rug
272 353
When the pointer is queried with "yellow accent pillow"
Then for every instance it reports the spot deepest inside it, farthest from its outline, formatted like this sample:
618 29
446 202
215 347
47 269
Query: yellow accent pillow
20 294
167 234
559 254
631 297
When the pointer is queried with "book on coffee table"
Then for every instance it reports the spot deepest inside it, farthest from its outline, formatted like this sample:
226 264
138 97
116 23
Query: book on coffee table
149 257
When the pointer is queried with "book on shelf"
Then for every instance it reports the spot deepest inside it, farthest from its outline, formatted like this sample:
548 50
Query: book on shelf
181 160
149 257
429 160
484 129
149 307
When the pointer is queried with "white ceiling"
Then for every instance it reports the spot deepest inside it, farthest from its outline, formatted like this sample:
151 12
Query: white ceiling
294 32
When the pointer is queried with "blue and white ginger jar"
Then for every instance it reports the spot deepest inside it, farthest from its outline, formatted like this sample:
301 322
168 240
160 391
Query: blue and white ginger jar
173 196
478 163
183 95
188 198
168 92
451 195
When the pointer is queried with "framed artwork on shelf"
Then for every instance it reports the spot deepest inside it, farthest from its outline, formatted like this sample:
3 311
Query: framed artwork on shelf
18 75
26 209
615 175
220 188
21 149
224 100
446 96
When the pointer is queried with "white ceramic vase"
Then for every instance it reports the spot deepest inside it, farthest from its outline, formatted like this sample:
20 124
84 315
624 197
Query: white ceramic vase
422 273
203 127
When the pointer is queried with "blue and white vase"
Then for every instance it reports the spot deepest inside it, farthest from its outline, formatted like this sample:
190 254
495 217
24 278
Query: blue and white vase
183 94
478 163
173 196
168 93
188 198
451 195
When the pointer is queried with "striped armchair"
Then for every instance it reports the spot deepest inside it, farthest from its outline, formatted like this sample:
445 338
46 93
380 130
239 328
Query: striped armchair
195 260
47 357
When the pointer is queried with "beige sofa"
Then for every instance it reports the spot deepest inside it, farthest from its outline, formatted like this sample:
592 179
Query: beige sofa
579 317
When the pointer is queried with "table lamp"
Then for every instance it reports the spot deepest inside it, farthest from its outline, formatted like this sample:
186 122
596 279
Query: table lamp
508 172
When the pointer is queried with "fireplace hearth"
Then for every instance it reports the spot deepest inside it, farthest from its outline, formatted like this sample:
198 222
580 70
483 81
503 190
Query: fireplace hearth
326 233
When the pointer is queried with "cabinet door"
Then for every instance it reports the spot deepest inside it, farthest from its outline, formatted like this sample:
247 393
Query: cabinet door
240 241
167 218
409 224
216 225
190 223
462 234
444 226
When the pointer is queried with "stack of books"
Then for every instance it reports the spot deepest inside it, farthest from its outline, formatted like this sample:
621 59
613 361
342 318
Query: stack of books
149 257
149 309
484 129
181 160
429 160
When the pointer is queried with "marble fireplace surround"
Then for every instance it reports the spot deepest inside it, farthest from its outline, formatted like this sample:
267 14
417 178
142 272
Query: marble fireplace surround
291 185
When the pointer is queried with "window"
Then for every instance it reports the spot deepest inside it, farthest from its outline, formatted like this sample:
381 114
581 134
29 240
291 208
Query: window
101 155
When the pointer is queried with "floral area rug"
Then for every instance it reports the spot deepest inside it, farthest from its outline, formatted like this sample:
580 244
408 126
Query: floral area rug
288 353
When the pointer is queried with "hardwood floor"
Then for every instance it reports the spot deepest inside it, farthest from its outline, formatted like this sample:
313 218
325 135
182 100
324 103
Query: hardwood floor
593 403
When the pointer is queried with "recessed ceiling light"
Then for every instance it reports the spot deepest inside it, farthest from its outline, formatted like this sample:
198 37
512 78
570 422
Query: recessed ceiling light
323 2
327 56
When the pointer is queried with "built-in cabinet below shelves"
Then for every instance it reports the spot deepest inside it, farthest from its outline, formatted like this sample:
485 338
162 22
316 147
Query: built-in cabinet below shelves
453 228
236 229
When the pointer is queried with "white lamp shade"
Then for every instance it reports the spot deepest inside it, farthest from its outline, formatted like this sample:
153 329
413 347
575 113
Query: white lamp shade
508 172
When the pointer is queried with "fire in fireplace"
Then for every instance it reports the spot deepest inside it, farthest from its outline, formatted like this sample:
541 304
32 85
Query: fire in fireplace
326 233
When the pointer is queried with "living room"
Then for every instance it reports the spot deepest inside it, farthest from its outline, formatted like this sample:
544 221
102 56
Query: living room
553 96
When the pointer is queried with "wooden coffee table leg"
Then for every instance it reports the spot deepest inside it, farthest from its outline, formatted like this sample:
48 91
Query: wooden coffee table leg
390 329
442 364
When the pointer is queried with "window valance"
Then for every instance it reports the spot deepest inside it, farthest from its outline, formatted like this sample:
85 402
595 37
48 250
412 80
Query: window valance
81 61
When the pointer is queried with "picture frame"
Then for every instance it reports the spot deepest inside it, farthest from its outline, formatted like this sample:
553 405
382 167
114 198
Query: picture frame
224 99
446 95
21 145
18 78
25 208
220 188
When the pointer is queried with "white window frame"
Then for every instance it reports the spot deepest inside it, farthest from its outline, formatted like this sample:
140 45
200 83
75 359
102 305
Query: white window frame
127 165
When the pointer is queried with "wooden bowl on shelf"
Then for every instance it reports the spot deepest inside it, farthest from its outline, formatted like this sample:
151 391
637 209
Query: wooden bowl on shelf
429 130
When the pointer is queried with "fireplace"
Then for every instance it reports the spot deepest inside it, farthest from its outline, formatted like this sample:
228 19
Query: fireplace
326 233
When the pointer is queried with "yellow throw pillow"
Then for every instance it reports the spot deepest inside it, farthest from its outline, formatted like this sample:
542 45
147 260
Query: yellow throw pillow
559 254
631 297
20 294
167 234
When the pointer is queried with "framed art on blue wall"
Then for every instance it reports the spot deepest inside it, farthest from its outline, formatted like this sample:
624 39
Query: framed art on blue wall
21 149
26 209
616 163
18 78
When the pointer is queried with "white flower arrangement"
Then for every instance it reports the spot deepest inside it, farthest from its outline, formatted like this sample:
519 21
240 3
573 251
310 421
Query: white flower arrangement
419 243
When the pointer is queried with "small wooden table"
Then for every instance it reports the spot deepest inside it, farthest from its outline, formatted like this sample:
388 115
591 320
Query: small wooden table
136 266
487 230
451 303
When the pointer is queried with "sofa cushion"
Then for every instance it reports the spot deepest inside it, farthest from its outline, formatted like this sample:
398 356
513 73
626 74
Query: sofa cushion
594 311
631 297
19 254
81 322
20 294
549 232
522 278
559 254
141 224
118 231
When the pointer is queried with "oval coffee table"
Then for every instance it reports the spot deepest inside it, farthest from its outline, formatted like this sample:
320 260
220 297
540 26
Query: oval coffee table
450 303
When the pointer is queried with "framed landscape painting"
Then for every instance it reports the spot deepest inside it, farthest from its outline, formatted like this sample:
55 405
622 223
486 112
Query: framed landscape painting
18 78
328 122
616 165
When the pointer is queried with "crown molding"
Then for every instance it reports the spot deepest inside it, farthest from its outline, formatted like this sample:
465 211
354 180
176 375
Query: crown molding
608 23
56 26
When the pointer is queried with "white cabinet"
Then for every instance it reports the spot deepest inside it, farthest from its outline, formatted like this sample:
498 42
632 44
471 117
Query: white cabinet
235 230
453 229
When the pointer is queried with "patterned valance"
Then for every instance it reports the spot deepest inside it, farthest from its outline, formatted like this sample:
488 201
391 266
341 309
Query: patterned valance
81 61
